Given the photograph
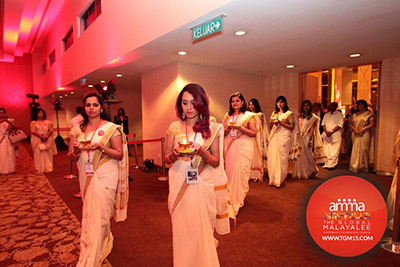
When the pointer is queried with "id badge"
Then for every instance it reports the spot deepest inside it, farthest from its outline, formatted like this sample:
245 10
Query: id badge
234 133
192 176
89 170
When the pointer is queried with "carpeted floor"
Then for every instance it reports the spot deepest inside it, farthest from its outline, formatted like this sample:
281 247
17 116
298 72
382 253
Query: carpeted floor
36 226
270 230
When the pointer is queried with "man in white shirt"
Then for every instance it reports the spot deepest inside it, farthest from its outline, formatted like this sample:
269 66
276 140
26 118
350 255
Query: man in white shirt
332 137
76 121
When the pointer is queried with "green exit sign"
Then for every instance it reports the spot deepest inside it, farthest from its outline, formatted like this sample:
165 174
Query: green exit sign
207 29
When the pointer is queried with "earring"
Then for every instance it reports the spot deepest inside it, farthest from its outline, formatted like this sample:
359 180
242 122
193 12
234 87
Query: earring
201 117
183 116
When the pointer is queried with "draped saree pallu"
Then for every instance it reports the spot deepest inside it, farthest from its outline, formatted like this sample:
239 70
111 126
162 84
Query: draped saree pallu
7 155
104 194
362 144
222 190
260 148
196 208
283 146
239 154
305 164
391 200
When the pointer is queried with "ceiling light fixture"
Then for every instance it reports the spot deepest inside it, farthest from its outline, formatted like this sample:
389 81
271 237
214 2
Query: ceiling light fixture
240 33
182 53
102 81
290 66
60 96
66 94
90 85
355 55
119 75
71 92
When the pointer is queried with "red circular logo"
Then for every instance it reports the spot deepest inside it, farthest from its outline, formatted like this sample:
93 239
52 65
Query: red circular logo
101 133
346 216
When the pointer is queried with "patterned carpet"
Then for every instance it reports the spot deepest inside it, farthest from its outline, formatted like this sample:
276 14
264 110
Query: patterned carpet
36 226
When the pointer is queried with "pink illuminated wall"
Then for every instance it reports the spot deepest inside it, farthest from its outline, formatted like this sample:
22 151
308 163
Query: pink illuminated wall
122 27
16 82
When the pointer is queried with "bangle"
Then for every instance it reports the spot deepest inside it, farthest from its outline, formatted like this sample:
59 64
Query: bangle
209 159
169 157
202 152
73 154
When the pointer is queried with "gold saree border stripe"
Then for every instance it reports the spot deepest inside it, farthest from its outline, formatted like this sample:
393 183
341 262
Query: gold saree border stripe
223 216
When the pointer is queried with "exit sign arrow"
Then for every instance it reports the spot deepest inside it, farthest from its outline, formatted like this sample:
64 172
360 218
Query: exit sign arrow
207 29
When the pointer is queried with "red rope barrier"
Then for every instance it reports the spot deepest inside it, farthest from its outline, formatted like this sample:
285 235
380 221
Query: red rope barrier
65 129
131 135
143 141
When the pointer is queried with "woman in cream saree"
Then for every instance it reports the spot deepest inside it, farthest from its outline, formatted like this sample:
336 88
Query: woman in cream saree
7 155
260 142
240 130
391 200
197 206
282 144
361 124
103 177
310 140
42 142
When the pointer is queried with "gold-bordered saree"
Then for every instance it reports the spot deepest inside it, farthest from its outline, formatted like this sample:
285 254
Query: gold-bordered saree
260 148
391 199
305 164
239 152
283 146
104 194
362 150
197 209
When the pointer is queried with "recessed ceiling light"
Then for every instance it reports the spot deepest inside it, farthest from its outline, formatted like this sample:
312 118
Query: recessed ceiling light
355 55
90 85
289 66
66 94
71 92
102 81
60 96
240 33
119 75
182 53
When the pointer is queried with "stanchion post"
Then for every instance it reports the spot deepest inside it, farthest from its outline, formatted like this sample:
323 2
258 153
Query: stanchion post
164 175
70 175
136 154
163 156
396 221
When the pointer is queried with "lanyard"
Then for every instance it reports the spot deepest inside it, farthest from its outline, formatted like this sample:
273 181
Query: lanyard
97 126
194 140
187 136
235 118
